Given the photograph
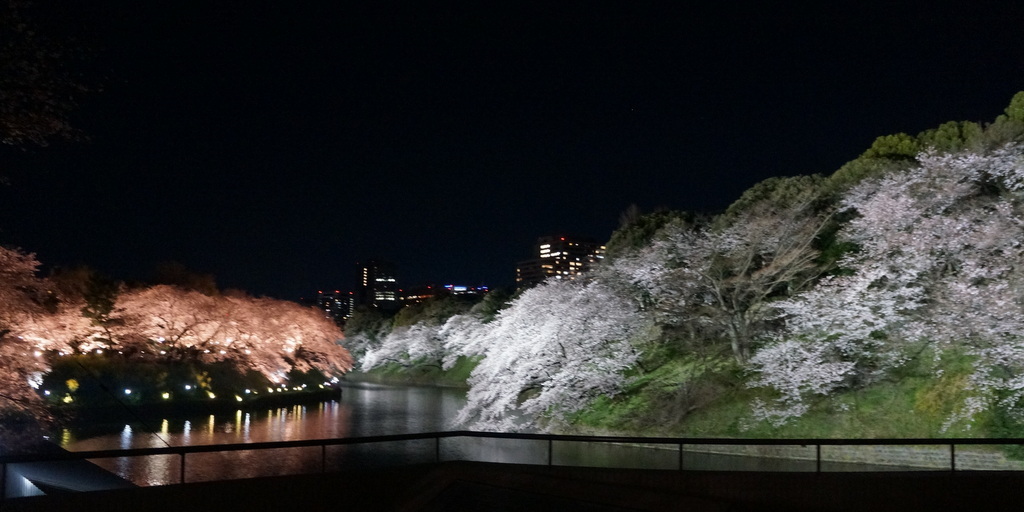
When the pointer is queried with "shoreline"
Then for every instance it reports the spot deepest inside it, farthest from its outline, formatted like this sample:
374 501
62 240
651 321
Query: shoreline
402 379
191 407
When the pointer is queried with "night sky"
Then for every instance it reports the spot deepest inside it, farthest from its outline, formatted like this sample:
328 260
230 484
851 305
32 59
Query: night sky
274 144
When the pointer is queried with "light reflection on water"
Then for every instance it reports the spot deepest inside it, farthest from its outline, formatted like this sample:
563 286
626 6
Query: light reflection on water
364 410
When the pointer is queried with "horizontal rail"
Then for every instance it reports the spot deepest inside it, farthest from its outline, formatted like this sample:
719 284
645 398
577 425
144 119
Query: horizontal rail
180 450
679 442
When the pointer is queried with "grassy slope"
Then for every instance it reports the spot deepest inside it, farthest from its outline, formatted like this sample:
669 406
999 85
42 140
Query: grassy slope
913 402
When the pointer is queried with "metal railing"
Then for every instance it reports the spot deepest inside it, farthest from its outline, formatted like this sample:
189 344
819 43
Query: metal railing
678 443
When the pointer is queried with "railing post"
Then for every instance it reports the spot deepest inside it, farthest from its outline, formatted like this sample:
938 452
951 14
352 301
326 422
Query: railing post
182 479
550 451
437 449
952 457
3 482
680 456
323 458
817 467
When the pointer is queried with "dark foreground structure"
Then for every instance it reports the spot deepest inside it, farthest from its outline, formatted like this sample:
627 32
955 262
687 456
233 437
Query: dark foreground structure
463 485
489 471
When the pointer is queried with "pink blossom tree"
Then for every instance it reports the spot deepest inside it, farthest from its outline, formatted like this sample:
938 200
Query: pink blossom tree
549 354
938 264
21 359
266 335
719 282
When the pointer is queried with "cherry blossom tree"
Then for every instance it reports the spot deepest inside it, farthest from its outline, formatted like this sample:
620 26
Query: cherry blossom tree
182 323
549 354
19 287
796 370
167 323
837 335
464 335
938 264
720 282
433 341
266 335
419 343
21 359
302 337
63 330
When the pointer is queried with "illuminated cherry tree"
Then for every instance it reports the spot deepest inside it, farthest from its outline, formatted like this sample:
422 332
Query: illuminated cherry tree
419 343
464 335
549 354
265 335
63 330
22 361
429 342
720 282
938 263
167 323
285 334
18 287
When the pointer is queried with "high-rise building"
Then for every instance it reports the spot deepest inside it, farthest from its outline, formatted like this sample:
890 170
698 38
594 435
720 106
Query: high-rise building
337 304
559 257
376 285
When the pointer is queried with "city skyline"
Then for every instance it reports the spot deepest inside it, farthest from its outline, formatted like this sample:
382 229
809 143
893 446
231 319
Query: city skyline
571 256
270 145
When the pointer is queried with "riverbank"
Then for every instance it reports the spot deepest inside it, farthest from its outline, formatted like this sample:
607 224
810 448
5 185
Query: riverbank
417 375
188 407
402 379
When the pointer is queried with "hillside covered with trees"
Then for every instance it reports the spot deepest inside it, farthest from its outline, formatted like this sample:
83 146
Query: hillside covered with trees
883 299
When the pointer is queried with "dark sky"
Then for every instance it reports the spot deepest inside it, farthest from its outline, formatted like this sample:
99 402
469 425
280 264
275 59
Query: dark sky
274 144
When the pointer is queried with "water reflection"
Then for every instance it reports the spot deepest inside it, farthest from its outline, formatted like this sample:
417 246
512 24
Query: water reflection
364 410
367 411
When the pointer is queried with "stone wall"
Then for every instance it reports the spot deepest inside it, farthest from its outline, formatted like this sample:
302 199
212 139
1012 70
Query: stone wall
917 456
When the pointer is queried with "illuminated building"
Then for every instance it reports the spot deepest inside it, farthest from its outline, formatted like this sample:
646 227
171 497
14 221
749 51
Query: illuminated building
421 293
337 304
559 257
455 289
376 285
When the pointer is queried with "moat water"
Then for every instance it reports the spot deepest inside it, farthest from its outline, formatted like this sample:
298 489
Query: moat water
363 410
